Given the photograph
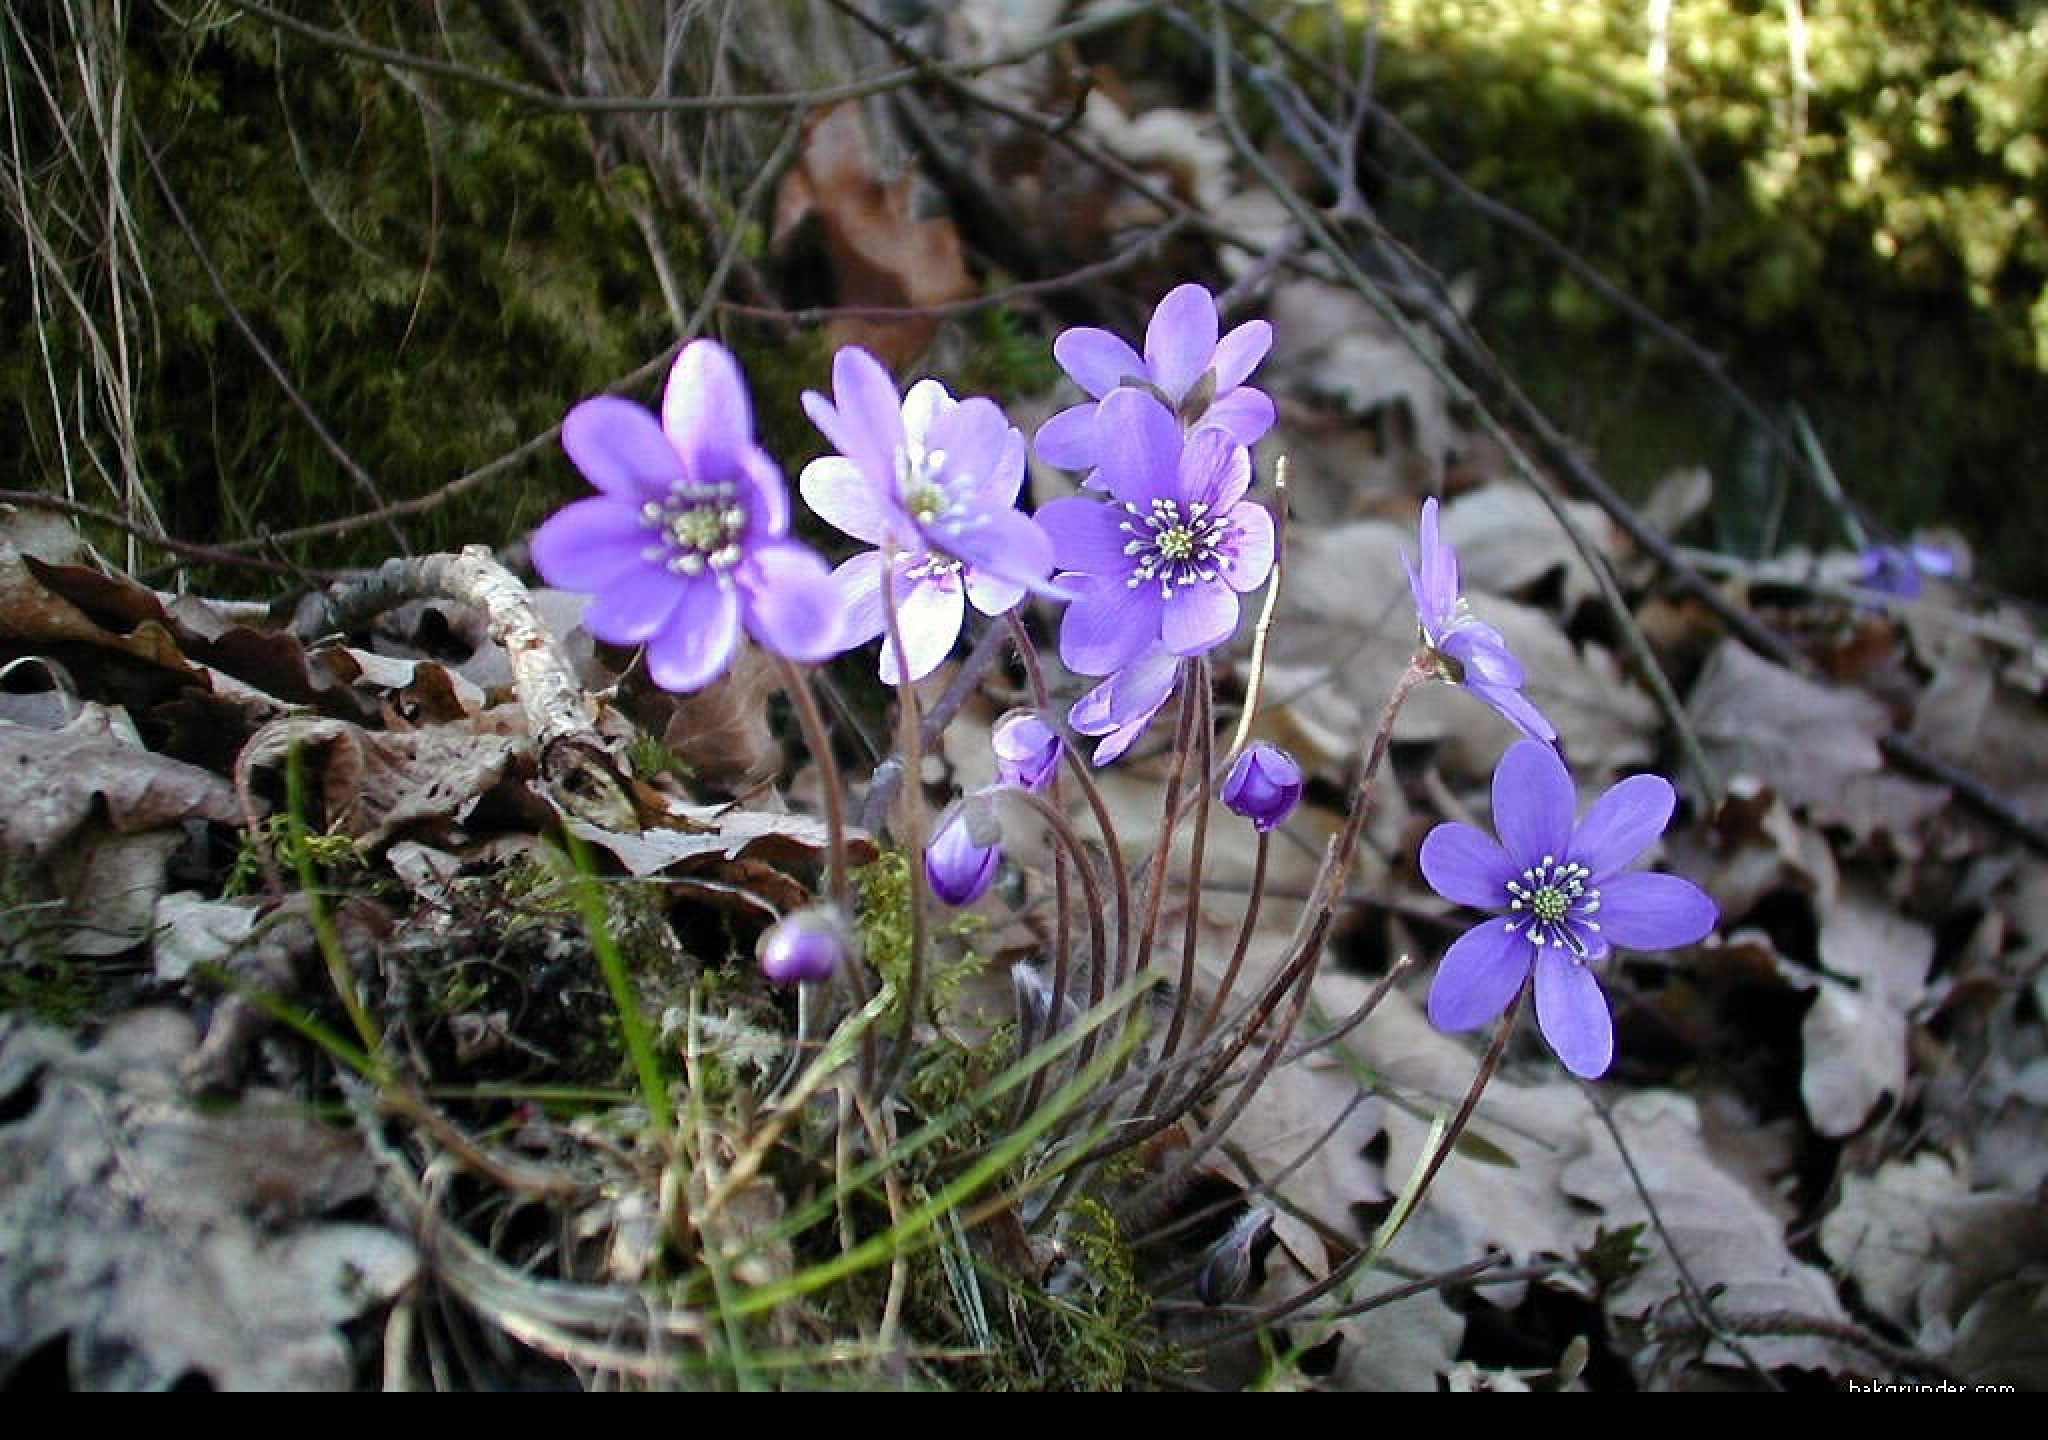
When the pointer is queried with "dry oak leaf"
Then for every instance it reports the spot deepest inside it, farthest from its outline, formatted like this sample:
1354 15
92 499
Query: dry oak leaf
1806 741
52 780
882 254
1874 963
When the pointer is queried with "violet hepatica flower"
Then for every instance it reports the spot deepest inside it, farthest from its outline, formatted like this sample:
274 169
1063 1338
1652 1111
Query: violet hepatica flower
1196 375
687 542
1562 894
1264 785
1897 569
964 854
1027 750
935 480
1118 710
805 947
1468 651
1161 562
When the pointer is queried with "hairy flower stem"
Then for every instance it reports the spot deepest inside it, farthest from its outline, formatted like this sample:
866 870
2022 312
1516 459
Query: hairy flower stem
912 838
1254 898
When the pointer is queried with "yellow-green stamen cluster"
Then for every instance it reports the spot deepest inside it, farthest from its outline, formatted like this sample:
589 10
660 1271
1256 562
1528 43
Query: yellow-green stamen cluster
697 528
1552 903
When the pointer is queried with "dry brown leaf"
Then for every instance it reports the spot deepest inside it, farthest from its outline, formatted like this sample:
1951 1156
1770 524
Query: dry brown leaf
1507 540
722 732
1854 1037
882 253
722 833
1805 741
169 1243
56 777
373 784
1731 1240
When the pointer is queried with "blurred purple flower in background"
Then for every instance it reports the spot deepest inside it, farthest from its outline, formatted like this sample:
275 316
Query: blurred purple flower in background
1198 377
935 479
687 543
1162 560
1898 569
1562 895
1468 651
1264 786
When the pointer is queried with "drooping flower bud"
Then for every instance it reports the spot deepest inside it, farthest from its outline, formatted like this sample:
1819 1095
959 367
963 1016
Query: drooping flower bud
806 946
1027 750
1264 785
964 854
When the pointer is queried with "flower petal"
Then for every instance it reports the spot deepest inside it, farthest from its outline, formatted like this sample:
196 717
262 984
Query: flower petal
1518 710
1246 413
635 607
1180 342
1067 441
706 412
1198 618
697 644
1138 448
1247 557
841 495
1623 823
1121 707
621 449
792 602
1533 803
1215 470
1645 910
1005 543
928 615
1098 360
975 437
861 616
587 543
1572 1013
1434 576
991 594
1087 536
1108 625
1479 975
1239 353
1466 866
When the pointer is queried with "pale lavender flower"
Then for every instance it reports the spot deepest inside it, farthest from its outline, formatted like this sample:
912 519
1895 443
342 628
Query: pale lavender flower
1118 710
688 542
1198 377
1161 562
1562 895
1264 786
1027 750
1897 569
1468 651
964 854
936 480
807 946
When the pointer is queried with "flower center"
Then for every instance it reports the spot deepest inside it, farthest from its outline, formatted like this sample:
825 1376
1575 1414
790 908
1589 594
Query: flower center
1553 904
1172 548
920 480
697 528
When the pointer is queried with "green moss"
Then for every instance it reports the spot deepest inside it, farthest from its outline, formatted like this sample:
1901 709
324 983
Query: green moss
1866 243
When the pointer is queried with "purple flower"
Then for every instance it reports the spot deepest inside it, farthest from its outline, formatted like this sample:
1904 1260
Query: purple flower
1897 569
935 480
1196 376
806 946
1119 709
1467 651
1027 750
1161 562
964 854
688 541
1264 786
1562 894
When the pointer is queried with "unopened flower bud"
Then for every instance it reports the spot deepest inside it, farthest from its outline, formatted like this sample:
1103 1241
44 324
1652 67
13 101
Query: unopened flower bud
1264 785
960 863
806 946
1227 1273
1027 750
